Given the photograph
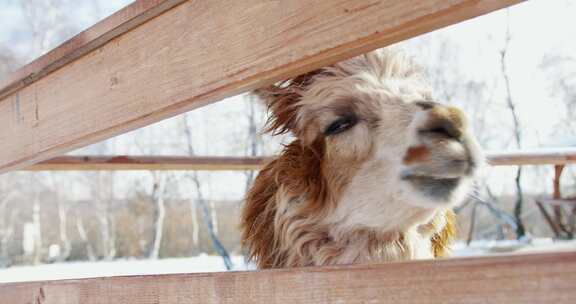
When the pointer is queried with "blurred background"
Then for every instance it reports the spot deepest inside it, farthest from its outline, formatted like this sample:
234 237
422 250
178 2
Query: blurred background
519 62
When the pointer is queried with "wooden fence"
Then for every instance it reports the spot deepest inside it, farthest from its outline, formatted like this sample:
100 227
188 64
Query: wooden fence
159 58
115 163
530 278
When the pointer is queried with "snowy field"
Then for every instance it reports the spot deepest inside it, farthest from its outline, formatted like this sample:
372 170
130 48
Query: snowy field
488 247
78 270
205 263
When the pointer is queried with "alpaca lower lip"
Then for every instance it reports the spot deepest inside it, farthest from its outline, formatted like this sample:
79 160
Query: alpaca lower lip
435 187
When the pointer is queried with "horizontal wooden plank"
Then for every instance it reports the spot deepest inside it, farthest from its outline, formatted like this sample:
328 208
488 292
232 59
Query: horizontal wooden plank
569 202
530 278
114 163
199 52
113 26
560 156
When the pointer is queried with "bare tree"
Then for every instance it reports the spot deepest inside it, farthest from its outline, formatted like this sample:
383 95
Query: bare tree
202 201
37 224
84 237
561 70
47 23
8 62
158 193
252 148
499 214
7 216
195 225
518 205
62 219
102 191
157 197
213 216
502 218
472 224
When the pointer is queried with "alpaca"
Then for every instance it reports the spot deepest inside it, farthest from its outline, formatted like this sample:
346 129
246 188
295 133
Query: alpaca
373 172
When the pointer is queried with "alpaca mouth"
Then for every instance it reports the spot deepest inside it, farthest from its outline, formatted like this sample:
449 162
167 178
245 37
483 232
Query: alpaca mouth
438 177
435 187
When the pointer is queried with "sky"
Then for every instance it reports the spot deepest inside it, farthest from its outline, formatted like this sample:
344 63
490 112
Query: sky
538 28
16 32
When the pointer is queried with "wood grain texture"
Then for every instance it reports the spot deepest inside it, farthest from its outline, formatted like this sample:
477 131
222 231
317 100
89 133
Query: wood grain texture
210 163
170 163
113 26
561 156
200 52
531 278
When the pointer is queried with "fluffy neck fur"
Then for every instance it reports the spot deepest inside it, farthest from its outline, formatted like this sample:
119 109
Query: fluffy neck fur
284 223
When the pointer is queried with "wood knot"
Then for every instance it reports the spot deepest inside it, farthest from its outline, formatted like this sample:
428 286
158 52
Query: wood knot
40 297
114 81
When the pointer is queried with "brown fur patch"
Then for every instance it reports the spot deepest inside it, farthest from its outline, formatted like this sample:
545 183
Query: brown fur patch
282 101
298 170
257 224
416 154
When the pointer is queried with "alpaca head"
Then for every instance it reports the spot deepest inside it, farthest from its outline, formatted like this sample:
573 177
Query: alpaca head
374 149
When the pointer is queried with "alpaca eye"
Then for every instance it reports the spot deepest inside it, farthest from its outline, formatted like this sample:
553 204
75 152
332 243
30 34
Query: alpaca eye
340 125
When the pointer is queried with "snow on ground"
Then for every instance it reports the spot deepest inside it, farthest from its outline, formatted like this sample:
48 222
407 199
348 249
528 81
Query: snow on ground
79 270
205 263
489 247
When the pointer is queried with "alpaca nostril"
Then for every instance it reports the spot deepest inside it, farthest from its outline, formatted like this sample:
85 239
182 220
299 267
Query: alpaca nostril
442 121
426 105
442 128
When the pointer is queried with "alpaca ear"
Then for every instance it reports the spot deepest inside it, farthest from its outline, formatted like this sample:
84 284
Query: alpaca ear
282 100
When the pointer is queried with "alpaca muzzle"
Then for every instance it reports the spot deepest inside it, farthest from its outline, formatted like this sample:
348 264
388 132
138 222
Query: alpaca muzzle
445 154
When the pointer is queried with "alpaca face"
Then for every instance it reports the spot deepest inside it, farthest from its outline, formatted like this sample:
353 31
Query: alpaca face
375 168
399 153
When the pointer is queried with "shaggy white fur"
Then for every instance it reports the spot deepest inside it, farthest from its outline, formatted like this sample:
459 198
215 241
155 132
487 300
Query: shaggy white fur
386 164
